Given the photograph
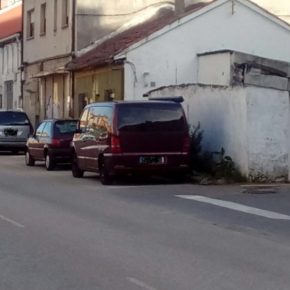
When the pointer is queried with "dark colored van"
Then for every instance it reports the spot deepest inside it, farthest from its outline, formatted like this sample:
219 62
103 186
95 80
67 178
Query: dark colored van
147 137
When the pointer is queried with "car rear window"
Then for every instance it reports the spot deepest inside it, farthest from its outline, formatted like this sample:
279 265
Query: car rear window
65 127
151 117
14 118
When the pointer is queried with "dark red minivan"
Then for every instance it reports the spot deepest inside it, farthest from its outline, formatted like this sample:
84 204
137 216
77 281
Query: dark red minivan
146 137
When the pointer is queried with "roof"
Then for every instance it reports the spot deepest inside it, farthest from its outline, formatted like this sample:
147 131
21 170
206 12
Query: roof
11 21
104 53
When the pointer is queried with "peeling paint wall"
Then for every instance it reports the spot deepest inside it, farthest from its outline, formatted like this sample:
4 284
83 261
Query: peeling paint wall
268 132
250 123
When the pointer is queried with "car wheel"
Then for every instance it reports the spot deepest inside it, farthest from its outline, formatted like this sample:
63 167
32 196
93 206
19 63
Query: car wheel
49 162
76 171
105 178
29 161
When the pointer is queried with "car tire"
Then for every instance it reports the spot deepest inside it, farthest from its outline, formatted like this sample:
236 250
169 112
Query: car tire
76 171
105 177
29 161
49 162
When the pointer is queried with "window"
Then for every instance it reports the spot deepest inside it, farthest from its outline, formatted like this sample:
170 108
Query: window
43 19
40 129
83 121
65 13
30 23
13 118
100 121
65 128
47 130
55 16
150 117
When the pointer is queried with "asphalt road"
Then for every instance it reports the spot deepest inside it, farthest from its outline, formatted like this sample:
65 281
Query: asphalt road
61 233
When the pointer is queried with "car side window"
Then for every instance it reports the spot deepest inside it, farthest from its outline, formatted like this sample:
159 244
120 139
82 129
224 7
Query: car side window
84 120
47 130
100 121
40 129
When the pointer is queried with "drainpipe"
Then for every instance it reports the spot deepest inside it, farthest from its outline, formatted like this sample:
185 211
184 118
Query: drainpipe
73 48
22 70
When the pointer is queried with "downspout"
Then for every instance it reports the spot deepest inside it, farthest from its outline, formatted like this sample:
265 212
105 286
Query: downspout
73 47
22 56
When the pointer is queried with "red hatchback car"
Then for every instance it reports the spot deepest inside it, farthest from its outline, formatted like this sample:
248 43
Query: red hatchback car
51 143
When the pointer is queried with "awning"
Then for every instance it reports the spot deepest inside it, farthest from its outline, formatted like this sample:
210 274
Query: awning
42 74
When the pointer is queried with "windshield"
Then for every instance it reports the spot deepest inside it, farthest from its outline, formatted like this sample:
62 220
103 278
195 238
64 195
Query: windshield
151 117
65 127
13 118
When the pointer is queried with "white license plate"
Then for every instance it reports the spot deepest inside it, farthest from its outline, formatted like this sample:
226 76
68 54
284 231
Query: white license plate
151 160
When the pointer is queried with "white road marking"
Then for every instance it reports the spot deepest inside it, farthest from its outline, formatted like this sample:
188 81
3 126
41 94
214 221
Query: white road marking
237 207
11 221
140 283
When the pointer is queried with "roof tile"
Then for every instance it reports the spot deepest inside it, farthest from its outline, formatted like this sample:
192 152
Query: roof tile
105 52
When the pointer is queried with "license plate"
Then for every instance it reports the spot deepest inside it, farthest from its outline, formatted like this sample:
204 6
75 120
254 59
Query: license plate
151 160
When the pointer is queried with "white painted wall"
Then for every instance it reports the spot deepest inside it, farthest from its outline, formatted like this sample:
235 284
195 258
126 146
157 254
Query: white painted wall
214 69
222 116
251 123
170 56
10 61
268 132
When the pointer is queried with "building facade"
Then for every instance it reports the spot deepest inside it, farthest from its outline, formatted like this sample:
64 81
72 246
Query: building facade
10 54
53 33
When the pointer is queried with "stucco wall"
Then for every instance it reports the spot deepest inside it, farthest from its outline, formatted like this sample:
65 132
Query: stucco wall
268 132
51 44
175 51
222 115
250 123
207 72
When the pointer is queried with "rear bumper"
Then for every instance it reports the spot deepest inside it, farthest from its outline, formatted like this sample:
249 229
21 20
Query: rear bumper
8 145
118 164
61 154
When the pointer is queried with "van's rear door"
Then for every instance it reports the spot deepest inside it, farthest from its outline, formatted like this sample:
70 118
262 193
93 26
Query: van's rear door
151 127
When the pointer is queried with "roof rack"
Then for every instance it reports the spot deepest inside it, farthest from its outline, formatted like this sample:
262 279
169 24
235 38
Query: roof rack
177 99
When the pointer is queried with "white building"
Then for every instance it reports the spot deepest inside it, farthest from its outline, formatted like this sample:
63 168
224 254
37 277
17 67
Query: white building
10 56
237 25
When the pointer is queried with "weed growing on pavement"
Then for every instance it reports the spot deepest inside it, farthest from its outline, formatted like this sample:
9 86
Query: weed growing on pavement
216 165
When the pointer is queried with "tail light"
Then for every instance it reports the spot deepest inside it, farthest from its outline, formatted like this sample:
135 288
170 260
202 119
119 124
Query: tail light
56 142
115 144
186 144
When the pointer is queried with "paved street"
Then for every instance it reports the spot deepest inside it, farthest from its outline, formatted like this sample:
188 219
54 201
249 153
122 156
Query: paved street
62 233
